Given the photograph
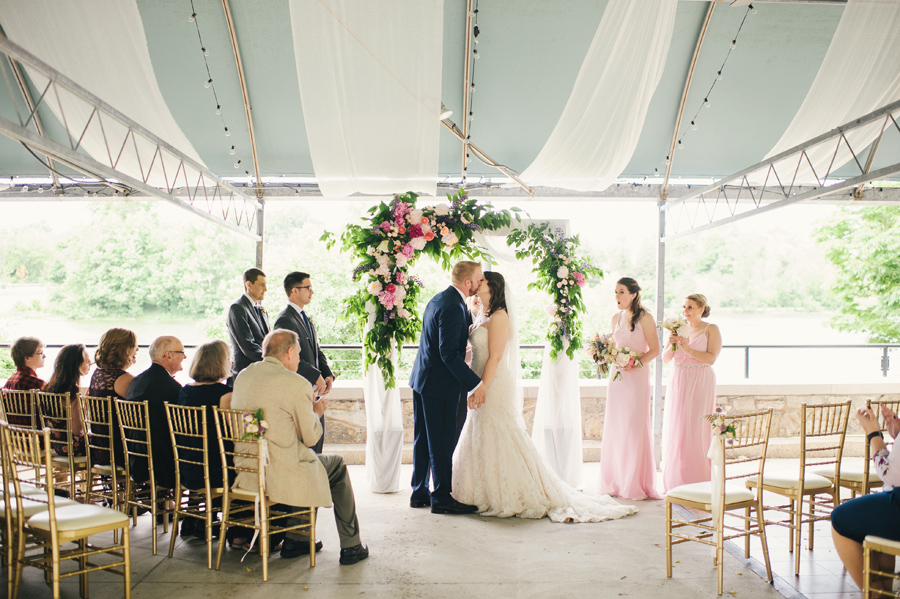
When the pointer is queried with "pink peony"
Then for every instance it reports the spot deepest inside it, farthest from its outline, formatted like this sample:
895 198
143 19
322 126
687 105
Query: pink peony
386 225
415 231
387 299
418 243
401 278
579 278
390 288
408 250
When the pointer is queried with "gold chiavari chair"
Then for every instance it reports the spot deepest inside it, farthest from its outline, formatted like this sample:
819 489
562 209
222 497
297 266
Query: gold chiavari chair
51 524
188 428
134 423
258 512
19 408
106 478
735 511
823 428
54 410
876 572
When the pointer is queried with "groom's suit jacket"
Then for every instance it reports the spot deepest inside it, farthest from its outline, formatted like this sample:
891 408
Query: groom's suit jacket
247 328
440 369
312 360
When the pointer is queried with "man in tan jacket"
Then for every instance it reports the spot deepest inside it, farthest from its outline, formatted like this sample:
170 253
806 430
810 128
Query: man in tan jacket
296 476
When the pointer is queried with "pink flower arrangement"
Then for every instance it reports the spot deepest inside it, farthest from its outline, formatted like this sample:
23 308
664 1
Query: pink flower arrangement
408 250
390 288
415 231
579 278
401 278
387 299
428 235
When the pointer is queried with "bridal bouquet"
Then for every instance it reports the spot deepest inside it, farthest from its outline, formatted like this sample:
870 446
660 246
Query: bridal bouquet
254 425
605 354
677 326
720 429
598 349
624 358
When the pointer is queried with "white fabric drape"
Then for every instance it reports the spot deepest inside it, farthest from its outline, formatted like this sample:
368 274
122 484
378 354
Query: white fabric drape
101 45
860 73
599 128
557 430
370 85
384 427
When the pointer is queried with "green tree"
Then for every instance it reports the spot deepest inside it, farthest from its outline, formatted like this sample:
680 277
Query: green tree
863 244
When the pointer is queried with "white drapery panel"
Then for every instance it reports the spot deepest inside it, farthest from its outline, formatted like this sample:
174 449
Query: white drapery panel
860 73
384 427
599 128
370 84
101 45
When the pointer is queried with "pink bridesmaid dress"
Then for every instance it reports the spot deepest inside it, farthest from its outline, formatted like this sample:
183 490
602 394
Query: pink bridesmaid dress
627 467
686 434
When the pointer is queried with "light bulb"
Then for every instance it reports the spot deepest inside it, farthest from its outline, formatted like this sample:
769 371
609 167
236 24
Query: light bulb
468 159
667 161
231 151
752 10
208 83
706 102
24 189
718 75
192 17
205 51
693 125
656 171
680 146
733 44
472 88
471 117
237 164
227 132
475 54
218 109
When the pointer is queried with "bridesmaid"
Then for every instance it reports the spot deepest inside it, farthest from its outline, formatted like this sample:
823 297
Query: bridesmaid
627 465
691 394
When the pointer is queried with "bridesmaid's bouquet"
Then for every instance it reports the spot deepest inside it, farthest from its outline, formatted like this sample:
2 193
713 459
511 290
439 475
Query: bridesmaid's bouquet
605 354
677 326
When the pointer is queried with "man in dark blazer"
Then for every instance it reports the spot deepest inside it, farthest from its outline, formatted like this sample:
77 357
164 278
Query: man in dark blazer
157 387
248 323
313 364
439 378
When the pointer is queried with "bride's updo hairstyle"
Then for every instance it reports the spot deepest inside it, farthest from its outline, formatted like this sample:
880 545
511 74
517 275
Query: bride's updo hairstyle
637 310
700 300
497 287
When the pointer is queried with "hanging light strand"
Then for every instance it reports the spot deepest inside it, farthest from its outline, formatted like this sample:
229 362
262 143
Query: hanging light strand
476 31
211 84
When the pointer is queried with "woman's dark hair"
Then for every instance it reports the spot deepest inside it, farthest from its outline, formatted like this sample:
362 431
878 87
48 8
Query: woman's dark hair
637 310
67 370
497 287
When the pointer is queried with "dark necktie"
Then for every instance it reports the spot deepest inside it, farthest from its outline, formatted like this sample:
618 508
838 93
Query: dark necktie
312 341
261 319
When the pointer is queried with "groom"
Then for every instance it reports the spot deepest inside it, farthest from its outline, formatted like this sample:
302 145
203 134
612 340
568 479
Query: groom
439 378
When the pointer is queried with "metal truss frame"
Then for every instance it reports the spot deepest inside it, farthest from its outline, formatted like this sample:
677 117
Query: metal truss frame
187 184
739 196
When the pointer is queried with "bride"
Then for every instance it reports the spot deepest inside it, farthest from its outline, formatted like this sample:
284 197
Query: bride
496 466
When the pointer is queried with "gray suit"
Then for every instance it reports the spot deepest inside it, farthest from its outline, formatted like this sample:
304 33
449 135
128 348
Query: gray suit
313 362
247 327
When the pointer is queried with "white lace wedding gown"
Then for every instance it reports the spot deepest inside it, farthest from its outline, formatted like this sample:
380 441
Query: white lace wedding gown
497 467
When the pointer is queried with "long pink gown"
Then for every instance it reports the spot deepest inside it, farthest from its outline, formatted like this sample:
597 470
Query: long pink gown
627 467
686 434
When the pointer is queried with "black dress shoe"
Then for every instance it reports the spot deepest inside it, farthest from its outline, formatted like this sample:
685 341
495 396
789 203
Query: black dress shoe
453 507
417 503
351 555
291 548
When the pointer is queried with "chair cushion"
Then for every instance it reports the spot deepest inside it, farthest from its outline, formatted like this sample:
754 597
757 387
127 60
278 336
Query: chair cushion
702 493
26 490
106 469
811 483
78 516
34 507
848 474
62 460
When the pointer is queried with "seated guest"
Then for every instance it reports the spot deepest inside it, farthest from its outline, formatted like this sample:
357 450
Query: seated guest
28 355
210 368
296 476
72 363
116 353
157 387
874 514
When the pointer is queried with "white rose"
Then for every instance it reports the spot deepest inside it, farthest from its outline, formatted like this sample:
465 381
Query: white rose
418 243
562 272
450 238
374 287
442 209
383 246
551 309
400 259
415 216
622 360
400 292
403 313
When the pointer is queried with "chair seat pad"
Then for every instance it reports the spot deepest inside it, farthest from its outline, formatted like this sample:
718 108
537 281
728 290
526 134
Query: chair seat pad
79 460
106 469
812 482
35 507
26 490
702 493
848 474
78 516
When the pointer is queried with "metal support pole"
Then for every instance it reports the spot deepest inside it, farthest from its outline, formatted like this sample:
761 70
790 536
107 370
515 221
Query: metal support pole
260 230
747 362
885 362
660 316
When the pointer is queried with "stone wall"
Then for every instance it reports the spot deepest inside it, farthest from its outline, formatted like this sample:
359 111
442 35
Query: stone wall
346 416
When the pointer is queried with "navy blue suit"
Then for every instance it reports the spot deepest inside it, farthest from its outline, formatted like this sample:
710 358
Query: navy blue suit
439 378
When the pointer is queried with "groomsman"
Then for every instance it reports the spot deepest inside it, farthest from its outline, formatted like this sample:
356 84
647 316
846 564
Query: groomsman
248 323
313 364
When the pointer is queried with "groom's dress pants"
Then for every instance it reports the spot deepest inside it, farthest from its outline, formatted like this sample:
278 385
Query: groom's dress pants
435 423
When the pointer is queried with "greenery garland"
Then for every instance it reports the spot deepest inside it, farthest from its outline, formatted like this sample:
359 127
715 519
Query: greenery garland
561 272
389 242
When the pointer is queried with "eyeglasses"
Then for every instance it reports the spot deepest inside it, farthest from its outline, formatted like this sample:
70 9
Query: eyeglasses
305 287
178 351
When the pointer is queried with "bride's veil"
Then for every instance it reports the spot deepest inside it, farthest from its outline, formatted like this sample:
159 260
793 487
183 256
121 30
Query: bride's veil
514 362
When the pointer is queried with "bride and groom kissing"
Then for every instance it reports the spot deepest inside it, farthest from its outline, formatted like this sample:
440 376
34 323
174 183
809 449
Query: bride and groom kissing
482 460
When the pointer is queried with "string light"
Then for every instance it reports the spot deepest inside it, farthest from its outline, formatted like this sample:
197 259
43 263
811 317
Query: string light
476 31
706 102
192 17
208 83
231 151
227 132
218 109
693 125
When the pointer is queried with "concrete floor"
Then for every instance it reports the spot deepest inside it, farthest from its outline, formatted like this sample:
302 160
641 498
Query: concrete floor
417 554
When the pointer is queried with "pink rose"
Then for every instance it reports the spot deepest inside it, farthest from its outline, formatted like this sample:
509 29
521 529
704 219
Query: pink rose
401 278
386 226
429 235
579 278
445 231
415 231
390 288
387 299
408 250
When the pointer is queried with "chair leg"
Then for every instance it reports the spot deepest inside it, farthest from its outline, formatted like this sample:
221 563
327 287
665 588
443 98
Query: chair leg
55 564
174 533
226 506
761 522
82 564
264 546
668 540
747 533
792 514
126 551
312 537
720 550
798 533
812 520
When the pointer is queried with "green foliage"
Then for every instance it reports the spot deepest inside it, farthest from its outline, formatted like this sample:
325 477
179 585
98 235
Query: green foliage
863 244
386 246
560 272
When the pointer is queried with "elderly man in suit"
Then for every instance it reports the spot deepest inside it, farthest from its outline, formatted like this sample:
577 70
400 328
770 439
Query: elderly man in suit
313 364
247 322
157 387
295 475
